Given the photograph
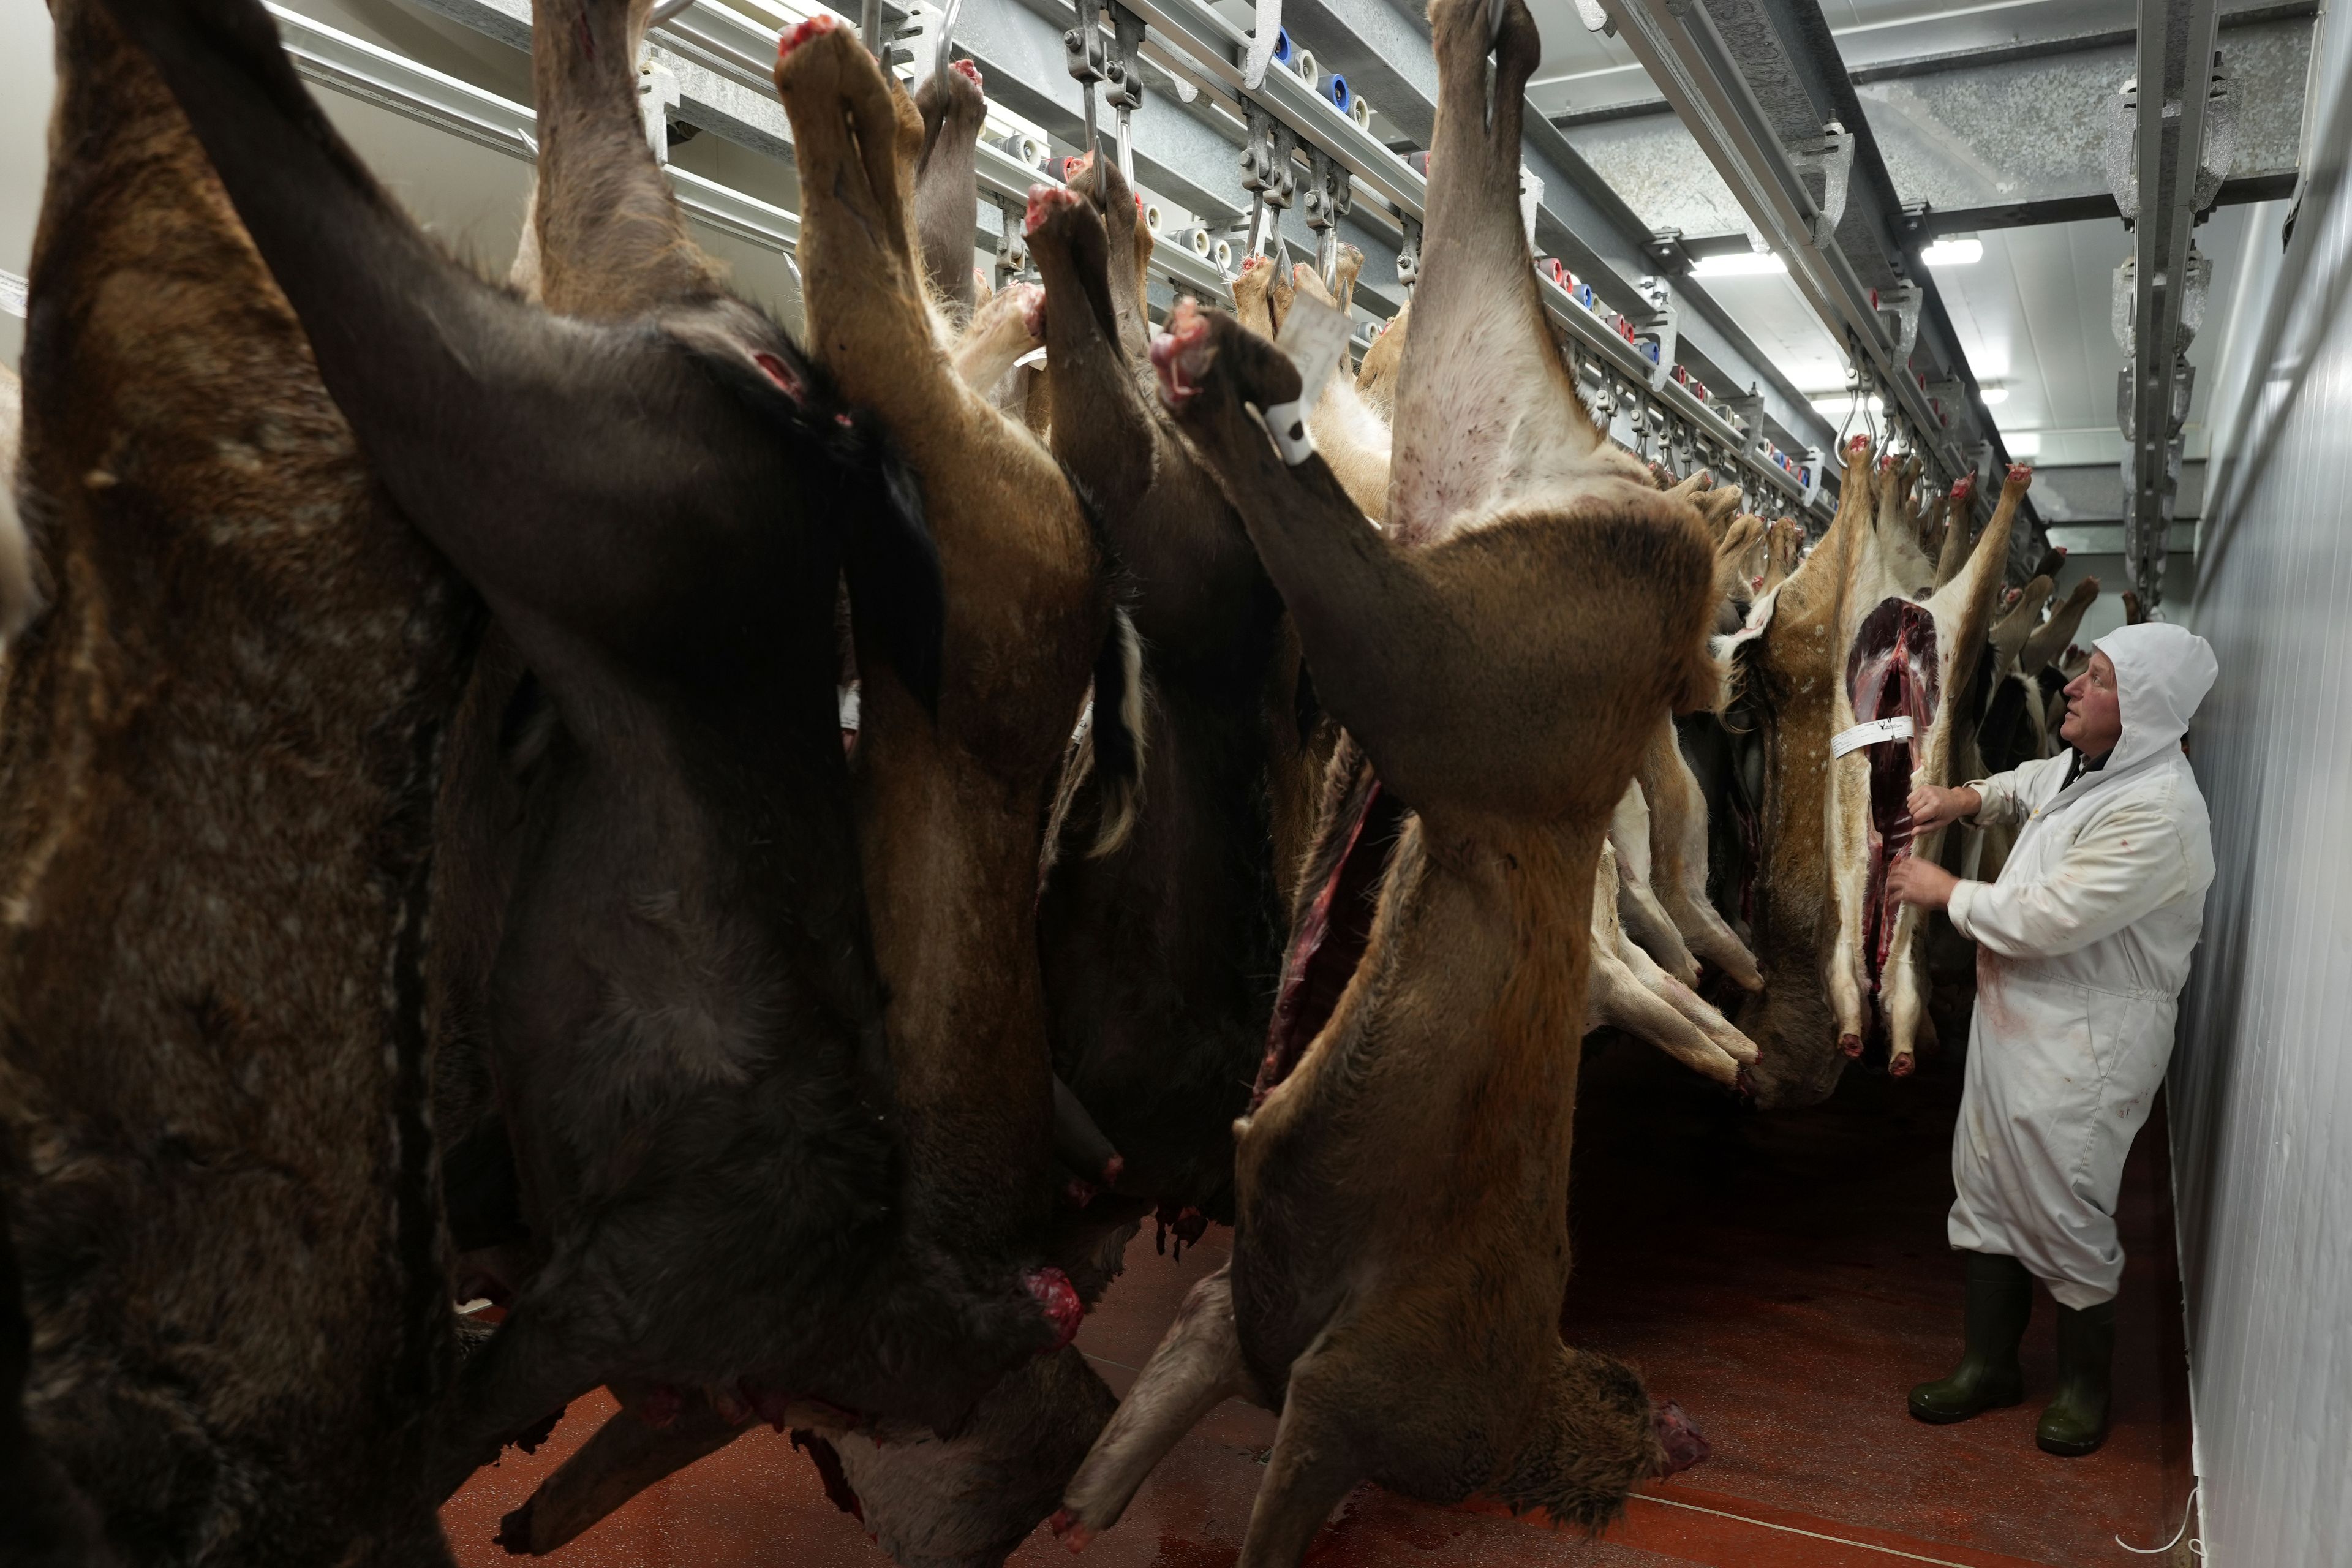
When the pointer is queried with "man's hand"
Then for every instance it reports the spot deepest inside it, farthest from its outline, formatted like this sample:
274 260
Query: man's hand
1932 807
1923 883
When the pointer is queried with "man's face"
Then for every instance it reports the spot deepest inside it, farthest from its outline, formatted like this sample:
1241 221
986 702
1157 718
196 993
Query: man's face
2095 720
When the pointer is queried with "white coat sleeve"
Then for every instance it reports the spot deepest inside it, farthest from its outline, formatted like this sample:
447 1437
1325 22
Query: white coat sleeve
1999 794
2125 864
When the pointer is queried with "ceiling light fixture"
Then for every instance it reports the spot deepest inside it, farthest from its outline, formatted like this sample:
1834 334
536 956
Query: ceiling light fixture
1954 250
1993 395
1738 264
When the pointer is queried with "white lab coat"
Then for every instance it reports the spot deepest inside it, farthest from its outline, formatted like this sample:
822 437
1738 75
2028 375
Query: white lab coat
2082 948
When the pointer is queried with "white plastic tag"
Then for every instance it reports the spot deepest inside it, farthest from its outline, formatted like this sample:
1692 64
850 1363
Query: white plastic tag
1878 731
1286 422
1035 356
1315 336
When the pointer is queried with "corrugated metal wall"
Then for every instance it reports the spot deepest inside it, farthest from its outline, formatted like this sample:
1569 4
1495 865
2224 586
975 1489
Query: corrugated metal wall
2262 1082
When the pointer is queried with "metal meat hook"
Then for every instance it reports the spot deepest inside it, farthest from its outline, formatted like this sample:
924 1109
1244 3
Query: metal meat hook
942 51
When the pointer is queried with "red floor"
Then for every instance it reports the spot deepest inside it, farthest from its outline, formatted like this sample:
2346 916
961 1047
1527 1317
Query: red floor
1784 1277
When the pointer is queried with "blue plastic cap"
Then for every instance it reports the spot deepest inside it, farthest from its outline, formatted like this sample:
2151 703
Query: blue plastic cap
1282 45
1337 90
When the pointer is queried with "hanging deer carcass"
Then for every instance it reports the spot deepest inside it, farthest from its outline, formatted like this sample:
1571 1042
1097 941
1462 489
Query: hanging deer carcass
1858 652
1497 656
220 746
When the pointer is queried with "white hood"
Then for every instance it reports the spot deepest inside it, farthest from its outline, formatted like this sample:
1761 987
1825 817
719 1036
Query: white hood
2162 673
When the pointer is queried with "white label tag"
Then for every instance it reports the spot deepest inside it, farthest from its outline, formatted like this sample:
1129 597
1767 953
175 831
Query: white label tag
1035 356
1286 422
1878 731
1315 336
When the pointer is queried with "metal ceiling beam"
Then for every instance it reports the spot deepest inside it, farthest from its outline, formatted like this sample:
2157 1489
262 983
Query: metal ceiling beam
1382 46
721 61
1681 48
1995 138
2178 91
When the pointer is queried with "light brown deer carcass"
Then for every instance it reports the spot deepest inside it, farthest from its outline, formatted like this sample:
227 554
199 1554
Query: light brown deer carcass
219 749
953 810
1858 633
1497 658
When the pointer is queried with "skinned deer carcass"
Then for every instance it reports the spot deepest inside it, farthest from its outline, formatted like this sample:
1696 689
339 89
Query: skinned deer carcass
1847 642
1401 1242
219 760
1161 945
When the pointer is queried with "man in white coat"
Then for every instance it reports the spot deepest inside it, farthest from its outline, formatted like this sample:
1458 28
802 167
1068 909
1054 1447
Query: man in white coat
2082 948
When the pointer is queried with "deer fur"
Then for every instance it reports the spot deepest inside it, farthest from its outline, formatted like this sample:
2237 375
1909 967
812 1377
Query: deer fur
1814 828
722 1099
1161 956
18 598
1401 1241
220 747
1354 440
1376 377
945 182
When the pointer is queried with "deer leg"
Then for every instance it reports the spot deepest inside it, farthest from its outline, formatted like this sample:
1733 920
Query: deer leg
947 182
868 321
1129 253
626 1456
1397 638
1645 918
1678 858
1312 1469
523 1379
1197 1367
1111 446
1009 325
612 238
1485 405
491 424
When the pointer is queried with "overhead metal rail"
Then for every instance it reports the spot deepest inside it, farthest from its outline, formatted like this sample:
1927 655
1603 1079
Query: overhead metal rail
2177 92
723 60
1213 54
362 70
1677 43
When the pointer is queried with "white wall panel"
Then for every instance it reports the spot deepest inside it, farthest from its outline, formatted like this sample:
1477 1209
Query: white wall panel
2261 1088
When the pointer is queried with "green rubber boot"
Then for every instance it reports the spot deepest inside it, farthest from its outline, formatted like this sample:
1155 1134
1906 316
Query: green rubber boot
2001 1302
2076 1421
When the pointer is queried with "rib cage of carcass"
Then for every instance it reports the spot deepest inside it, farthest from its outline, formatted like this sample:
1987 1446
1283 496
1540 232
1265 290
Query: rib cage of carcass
1861 665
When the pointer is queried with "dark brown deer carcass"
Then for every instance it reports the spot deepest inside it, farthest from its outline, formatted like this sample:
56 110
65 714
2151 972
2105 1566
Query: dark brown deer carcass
684 984
1497 657
219 751
1161 945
